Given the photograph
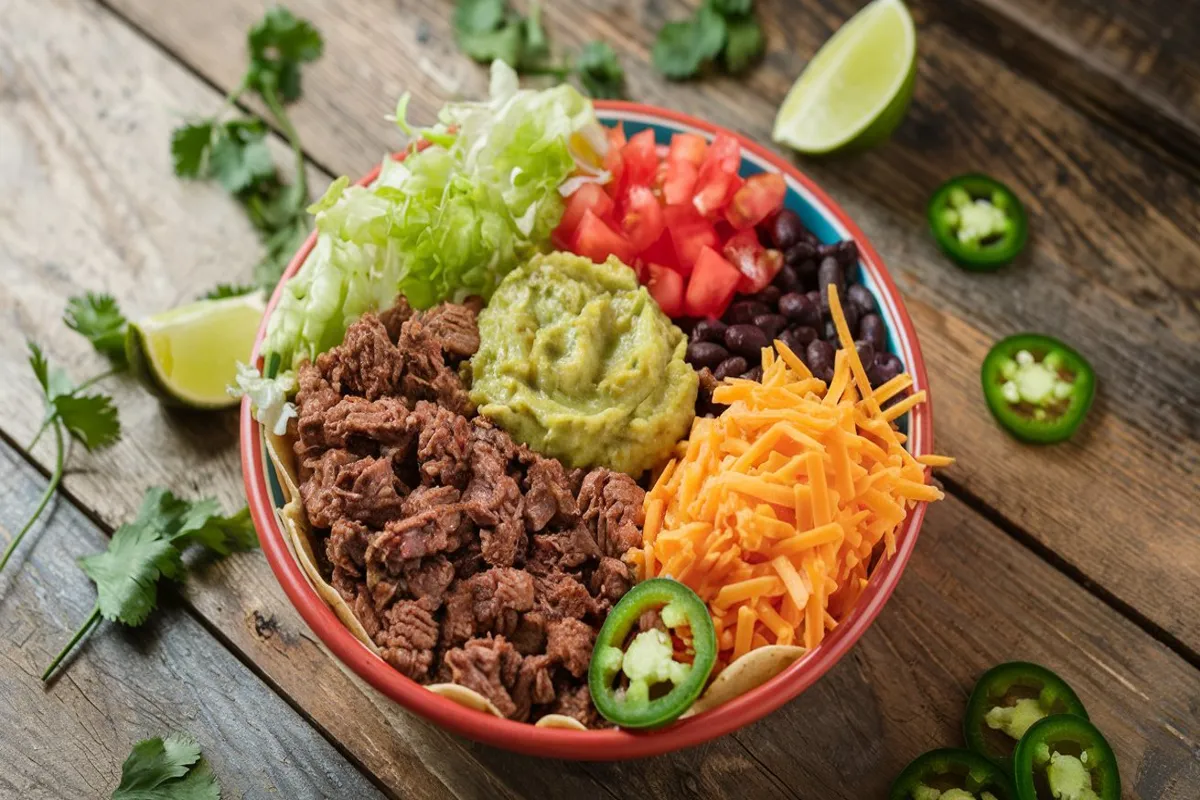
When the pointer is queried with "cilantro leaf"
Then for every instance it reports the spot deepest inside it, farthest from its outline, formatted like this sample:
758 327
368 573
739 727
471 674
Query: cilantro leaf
90 418
731 8
743 43
223 534
534 48
682 47
504 44
127 573
240 156
166 770
225 290
190 148
478 16
600 71
98 318
280 245
279 43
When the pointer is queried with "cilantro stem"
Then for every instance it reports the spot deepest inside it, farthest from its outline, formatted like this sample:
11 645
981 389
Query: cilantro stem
562 73
270 96
97 378
38 436
88 624
55 479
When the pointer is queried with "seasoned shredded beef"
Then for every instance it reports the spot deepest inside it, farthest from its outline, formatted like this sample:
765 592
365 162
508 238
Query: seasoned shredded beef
465 556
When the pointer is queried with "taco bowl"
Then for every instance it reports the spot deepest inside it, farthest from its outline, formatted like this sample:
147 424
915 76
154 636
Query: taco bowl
748 688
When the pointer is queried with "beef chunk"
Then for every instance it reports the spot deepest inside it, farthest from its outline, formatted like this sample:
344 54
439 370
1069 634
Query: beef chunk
492 494
455 327
560 595
370 492
612 510
426 376
504 545
611 579
533 686
490 602
651 619
569 643
442 446
468 559
557 552
408 638
431 521
346 547
548 496
322 501
394 318
356 420
483 666
574 700
458 623
313 400
530 635
365 363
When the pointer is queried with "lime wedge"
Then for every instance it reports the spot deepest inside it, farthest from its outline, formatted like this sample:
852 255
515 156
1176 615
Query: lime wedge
188 355
856 89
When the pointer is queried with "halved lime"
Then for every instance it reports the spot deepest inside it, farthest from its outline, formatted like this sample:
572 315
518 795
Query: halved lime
188 355
856 89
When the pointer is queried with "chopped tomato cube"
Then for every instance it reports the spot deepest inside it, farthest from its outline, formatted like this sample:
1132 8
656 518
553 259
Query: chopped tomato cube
715 181
662 251
679 182
689 233
711 286
666 287
589 196
595 240
757 265
642 220
687 147
760 197
612 159
640 159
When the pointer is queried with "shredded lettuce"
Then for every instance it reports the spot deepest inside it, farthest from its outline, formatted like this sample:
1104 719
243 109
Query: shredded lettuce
447 222
268 396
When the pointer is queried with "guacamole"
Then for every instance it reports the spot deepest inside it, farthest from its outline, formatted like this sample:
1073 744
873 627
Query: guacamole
578 362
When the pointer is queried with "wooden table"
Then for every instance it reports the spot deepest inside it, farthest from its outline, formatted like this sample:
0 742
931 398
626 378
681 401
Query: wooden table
1084 556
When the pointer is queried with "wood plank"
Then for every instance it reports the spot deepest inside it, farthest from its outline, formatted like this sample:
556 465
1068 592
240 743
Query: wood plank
240 599
1131 65
69 738
1116 238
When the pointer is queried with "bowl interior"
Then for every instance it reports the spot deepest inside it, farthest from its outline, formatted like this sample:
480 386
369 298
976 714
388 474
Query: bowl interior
826 220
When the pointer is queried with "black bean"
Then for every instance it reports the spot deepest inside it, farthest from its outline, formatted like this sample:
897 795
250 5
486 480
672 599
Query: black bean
799 309
887 366
805 334
730 367
819 357
799 253
709 330
829 273
753 374
771 324
705 354
861 297
814 297
866 352
797 339
787 280
845 252
852 316
811 238
784 229
806 271
743 311
770 296
746 340
870 328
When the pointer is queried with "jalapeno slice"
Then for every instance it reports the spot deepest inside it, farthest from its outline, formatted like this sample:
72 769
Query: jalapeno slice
951 774
978 222
1007 701
629 675
1064 757
1037 388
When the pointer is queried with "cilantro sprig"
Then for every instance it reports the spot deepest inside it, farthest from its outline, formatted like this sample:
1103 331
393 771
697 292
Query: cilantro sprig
166 769
234 151
89 418
487 30
721 31
149 548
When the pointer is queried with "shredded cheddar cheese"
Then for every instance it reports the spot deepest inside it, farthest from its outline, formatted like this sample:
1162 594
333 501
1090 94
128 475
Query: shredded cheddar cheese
774 511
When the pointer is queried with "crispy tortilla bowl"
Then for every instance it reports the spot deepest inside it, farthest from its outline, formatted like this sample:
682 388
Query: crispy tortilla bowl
749 688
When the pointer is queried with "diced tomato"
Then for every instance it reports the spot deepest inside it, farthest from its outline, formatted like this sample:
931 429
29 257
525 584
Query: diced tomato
711 286
596 240
612 159
642 220
688 147
757 265
589 196
716 177
661 150
640 159
689 233
761 196
666 287
662 251
679 183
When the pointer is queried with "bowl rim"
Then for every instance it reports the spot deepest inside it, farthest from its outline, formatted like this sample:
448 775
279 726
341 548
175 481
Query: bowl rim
612 744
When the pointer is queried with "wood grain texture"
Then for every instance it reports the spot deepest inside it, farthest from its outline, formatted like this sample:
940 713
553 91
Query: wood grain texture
69 738
1111 269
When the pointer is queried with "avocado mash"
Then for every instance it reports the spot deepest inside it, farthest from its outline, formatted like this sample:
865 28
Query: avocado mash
578 362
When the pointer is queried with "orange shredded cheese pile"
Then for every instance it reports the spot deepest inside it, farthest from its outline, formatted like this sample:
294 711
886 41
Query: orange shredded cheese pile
773 512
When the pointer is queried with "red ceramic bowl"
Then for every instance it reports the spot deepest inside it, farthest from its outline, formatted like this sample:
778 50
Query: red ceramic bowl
829 223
